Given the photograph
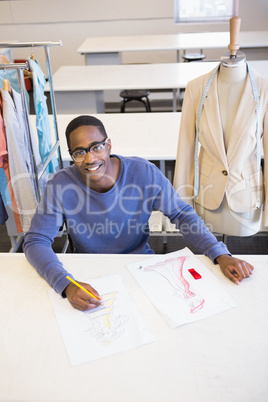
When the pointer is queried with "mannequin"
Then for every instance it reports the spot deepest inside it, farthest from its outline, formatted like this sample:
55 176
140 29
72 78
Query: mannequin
231 82
228 174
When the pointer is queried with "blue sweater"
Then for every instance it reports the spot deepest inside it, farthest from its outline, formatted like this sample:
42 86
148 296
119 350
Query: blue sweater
113 222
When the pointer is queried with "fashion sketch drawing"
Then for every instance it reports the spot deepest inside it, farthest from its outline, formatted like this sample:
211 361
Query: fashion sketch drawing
171 270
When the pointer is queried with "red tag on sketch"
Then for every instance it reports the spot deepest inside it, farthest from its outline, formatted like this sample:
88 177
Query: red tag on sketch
195 274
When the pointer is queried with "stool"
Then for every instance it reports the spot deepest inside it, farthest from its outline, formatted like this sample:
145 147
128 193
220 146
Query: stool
137 95
188 57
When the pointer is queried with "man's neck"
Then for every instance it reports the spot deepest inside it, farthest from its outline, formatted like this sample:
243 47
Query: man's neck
233 75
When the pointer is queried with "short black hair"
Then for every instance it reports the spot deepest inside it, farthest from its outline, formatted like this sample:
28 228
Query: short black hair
84 120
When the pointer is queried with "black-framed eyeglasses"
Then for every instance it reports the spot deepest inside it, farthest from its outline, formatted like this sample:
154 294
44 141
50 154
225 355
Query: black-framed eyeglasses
96 149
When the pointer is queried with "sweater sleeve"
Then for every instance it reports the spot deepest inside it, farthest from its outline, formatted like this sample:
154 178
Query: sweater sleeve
38 241
189 223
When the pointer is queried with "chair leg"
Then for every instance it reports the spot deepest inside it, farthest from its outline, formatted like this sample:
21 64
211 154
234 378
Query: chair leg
123 106
148 105
145 104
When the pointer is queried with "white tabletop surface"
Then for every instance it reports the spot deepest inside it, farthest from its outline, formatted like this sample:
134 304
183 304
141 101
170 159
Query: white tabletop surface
177 41
141 76
110 77
153 136
222 358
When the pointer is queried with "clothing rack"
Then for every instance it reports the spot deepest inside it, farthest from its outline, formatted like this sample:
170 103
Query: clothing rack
16 240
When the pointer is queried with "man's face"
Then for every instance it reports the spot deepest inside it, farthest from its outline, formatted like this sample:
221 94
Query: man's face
95 170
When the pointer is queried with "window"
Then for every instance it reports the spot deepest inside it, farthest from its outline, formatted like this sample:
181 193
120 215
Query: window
204 10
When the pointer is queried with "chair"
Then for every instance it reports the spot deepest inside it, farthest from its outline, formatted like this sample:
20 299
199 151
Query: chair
135 95
189 57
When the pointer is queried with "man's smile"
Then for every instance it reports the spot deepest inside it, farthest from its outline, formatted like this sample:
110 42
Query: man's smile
93 168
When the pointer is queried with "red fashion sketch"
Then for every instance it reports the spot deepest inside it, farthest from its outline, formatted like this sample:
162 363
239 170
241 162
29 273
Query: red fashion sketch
171 270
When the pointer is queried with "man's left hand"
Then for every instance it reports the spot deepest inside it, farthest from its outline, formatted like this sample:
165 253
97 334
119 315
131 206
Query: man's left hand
234 268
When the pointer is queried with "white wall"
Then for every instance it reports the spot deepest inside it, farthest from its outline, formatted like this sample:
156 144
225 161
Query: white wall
74 21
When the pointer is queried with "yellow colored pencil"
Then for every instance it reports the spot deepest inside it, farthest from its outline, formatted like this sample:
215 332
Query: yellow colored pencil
81 287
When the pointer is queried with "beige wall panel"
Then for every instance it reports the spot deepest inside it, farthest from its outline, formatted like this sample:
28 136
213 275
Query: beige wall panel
28 11
5 13
254 15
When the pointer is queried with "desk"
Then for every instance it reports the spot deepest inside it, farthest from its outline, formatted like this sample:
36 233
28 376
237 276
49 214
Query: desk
153 136
223 358
107 50
80 89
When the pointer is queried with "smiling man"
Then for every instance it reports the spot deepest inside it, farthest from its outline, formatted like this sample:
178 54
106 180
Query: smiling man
106 201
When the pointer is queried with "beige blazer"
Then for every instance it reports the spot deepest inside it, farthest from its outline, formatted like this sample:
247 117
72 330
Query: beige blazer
234 171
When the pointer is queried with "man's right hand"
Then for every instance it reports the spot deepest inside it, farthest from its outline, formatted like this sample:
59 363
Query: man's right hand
80 299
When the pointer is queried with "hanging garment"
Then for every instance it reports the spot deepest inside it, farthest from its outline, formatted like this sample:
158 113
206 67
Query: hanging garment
3 212
42 120
22 119
12 77
23 180
230 173
5 194
6 190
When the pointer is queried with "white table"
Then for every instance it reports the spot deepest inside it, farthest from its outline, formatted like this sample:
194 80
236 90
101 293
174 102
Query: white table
107 50
153 136
223 358
80 89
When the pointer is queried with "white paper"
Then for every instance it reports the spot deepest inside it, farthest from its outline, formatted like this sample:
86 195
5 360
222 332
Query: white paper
114 327
175 293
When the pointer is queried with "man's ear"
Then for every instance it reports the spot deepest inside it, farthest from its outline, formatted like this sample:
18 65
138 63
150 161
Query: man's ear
109 143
